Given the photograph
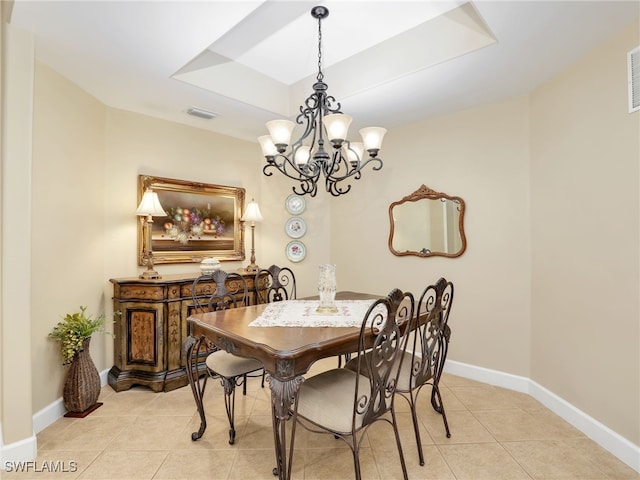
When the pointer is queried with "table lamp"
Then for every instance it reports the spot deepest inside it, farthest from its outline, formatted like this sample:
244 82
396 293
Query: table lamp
252 214
149 207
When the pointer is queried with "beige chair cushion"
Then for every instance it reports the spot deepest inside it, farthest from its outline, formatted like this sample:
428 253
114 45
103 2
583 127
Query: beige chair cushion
404 379
327 399
229 365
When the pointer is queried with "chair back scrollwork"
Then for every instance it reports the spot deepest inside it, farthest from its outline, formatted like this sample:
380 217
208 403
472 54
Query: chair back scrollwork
430 344
275 284
382 344
219 290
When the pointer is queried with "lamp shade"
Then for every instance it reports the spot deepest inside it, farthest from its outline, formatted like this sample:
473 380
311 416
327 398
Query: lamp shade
302 155
354 151
150 205
280 131
268 148
372 137
252 213
337 126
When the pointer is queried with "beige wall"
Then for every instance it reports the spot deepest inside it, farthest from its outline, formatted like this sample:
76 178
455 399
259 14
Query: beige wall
523 167
5 9
144 145
481 155
585 172
17 104
69 234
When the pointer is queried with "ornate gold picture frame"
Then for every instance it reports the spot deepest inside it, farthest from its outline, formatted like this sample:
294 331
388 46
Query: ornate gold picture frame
203 220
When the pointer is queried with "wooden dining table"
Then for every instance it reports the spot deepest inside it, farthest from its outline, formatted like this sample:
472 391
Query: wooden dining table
287 353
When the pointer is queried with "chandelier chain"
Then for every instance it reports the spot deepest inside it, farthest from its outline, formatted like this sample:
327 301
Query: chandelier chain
320 74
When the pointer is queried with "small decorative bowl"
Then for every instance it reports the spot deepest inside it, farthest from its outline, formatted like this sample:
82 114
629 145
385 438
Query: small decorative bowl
209 265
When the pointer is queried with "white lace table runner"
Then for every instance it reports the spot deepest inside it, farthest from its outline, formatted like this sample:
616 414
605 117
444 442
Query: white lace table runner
302 313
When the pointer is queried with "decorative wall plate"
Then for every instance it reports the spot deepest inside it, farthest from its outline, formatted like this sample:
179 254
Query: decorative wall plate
295 227
295 204
296 251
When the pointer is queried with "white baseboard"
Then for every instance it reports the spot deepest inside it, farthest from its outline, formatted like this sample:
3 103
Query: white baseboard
55 410
48 415
484 375
617 445
20 451
27 449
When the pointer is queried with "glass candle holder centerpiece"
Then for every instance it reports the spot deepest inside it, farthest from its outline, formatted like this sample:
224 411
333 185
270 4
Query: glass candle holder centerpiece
327 289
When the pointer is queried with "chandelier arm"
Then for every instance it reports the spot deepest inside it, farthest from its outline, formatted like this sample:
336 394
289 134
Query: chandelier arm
333 181
334 188
307 184
369 160
356 171
329 101
307 187
339 162
307 172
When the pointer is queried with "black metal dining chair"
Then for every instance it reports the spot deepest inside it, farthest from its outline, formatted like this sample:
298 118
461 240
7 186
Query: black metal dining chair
214 291
345 403
427 353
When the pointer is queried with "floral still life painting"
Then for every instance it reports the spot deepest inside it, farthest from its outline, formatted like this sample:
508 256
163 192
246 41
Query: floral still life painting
203 220
184 224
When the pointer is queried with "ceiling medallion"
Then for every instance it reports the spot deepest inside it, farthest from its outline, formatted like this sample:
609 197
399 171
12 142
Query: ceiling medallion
307 161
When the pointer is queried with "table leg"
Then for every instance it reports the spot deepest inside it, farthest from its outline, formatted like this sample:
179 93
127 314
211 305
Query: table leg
283 397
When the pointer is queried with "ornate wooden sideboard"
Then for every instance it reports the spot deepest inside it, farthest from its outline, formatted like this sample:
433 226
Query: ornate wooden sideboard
150 329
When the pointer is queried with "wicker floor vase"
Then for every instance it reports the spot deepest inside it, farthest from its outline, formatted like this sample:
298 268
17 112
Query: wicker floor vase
82 384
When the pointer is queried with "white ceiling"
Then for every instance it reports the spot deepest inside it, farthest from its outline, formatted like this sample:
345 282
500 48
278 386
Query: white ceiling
387 62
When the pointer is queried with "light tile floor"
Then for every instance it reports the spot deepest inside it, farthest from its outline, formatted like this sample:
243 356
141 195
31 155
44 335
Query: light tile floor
496 434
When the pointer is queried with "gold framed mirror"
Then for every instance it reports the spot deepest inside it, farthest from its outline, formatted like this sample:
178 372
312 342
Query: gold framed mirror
426 224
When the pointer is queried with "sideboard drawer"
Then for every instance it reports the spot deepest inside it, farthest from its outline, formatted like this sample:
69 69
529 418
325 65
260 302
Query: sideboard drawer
141 292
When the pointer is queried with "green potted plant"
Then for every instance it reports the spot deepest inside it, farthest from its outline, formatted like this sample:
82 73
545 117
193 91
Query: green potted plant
82 382
74 329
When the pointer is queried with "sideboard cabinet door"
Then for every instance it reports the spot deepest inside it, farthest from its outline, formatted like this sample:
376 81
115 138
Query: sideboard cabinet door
138 346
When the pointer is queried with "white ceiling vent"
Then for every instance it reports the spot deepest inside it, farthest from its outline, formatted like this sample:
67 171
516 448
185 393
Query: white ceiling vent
633 68
201 112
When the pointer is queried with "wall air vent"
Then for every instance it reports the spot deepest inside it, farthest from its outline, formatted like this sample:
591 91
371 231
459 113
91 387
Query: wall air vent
633 69
202 113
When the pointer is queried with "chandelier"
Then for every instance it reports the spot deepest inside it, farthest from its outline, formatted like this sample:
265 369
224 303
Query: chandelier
308 158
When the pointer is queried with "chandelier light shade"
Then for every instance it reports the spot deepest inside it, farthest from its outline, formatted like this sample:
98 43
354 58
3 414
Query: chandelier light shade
149 207
322 153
